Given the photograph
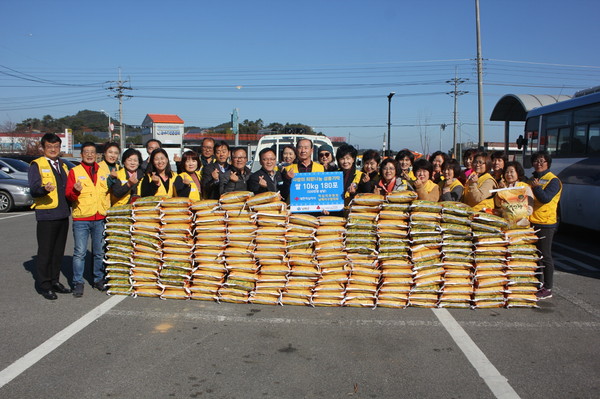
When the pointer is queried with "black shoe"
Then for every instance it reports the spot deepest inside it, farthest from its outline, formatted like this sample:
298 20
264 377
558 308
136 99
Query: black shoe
49 294
61 289
78 290
100 285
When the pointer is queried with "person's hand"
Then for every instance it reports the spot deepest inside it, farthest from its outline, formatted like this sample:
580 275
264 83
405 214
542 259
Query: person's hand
78 186
473 178
176 158
113 174
49 187
187 181
377 191
290 173
155 179
352 188
262 182
502 184
215 174
234 177
535 182
365 178
133 180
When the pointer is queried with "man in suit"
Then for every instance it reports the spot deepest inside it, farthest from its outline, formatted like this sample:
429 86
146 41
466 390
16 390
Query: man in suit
266 178
214 173
47 182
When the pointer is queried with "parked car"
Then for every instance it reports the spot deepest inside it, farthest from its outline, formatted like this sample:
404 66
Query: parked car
14 167
13 193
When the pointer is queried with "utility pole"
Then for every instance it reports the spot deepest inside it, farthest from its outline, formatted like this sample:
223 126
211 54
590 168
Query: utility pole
479 76
455 93
118 88
389 124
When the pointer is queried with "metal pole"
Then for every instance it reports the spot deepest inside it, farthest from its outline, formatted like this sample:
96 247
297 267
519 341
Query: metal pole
479 77
506 136
389 138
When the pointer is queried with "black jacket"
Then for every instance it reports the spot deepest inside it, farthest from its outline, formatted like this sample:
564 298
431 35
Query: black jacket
273 184
211 187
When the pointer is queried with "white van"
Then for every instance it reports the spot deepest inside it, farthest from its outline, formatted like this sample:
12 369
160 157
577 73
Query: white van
278 141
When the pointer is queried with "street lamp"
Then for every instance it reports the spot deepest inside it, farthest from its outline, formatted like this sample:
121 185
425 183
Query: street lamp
389 143
110 137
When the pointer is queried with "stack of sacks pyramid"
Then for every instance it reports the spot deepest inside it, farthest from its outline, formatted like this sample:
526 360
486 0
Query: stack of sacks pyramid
332 262
426 242
457 255
242 271
118 250
522 268
361 246
304 270
490 260
209 243
147 247
394 250
177 247
270 215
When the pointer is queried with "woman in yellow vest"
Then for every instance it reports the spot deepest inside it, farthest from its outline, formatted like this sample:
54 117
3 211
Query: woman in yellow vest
159 177
346 160
546 188
451 187
437 159
187 183
110 158
125 185
479 184
426 189
405 159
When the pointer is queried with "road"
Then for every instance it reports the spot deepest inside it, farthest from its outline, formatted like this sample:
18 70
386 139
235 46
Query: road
122 347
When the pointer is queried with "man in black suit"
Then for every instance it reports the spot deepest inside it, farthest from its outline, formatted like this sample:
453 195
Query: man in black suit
47 182
266 178
214 173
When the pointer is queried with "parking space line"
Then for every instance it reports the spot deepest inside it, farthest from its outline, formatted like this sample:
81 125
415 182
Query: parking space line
564 266
497 383
20 365
579 251
562 259
15 216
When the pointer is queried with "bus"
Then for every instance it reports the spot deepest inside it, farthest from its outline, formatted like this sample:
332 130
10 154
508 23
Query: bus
570 131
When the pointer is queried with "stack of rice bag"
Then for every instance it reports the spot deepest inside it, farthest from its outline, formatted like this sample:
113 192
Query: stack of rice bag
119 250
332 262
177 247
457 255
361 245
394 250
147 246
304 269
209 244
522 268
490 260
239 259
271 215
426 242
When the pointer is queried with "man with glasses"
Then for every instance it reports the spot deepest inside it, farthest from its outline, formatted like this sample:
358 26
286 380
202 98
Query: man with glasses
214 173
47 183
266 178
237 177
207 154
304 165
546 188
325 154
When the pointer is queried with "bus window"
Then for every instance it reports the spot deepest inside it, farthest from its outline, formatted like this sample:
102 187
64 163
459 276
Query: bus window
588 114
579 140
548 142
558 120
594 140
564 141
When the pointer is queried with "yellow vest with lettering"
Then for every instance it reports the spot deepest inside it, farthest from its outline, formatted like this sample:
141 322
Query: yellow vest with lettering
316 167
93 198
123 177
194 192
49 201
546 213
486 203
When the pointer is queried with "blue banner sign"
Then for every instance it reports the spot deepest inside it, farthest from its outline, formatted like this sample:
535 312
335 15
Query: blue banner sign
315 192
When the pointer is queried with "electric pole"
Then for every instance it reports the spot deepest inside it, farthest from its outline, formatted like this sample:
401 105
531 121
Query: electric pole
118 88
479 76
455 93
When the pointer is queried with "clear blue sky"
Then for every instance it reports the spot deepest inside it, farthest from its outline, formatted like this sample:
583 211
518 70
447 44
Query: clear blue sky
329 64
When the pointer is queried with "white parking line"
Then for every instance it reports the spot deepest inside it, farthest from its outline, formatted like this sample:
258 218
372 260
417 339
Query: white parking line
564 266
585 266
19 366
15 216
497 383
579 251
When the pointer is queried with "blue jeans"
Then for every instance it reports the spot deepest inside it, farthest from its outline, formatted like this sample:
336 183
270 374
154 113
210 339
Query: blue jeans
82 230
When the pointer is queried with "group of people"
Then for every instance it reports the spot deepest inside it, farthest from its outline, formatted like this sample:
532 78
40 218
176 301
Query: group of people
89 189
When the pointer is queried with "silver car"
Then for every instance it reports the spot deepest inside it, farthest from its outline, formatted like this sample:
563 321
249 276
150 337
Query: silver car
14 167
13 193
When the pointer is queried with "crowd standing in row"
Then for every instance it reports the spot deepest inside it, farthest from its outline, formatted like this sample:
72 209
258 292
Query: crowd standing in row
90 188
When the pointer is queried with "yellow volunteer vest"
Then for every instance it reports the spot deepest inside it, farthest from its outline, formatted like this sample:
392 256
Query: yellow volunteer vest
194 193
546 213
357 176
122 176
316 167
166 193
93 198
486 203
49 201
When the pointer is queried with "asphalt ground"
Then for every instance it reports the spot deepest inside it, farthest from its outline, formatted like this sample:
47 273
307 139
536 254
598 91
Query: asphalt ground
99 346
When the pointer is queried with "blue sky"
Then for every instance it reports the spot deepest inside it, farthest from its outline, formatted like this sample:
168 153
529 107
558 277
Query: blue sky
328 64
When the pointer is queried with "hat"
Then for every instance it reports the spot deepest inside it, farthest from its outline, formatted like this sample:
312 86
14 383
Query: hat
325 147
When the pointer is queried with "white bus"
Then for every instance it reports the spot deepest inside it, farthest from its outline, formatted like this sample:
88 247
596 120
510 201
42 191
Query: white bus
570 131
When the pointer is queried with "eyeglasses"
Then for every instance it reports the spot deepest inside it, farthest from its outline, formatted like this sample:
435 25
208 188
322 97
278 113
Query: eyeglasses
389 169
478 163
239 157
324 155
540 161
